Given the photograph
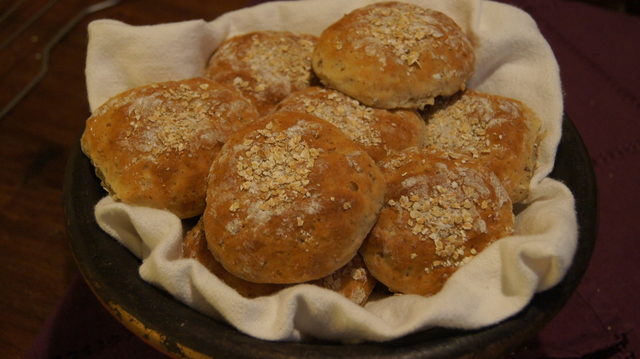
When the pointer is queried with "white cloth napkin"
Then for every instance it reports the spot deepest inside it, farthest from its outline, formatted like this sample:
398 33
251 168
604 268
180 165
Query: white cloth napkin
513 60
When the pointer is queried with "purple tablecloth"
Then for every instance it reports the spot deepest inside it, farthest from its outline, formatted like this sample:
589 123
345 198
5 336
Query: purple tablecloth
599 55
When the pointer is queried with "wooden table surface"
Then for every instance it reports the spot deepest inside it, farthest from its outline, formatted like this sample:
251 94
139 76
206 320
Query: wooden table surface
36 264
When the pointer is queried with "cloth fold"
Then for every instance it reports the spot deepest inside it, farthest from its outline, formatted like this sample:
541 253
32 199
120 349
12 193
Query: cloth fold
514 60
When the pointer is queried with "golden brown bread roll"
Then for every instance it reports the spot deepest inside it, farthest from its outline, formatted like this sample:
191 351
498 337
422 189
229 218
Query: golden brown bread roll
440 210
290 199
153 145
393 54
265 65
352 281
378 131
502 133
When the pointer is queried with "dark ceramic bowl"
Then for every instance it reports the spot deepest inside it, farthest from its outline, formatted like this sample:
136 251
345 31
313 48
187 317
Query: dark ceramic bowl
176 329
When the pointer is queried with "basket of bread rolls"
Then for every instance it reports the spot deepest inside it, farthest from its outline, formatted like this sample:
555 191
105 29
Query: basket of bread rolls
345 172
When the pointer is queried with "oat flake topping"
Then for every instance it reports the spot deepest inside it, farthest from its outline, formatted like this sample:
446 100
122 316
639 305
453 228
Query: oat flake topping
404 28
175 119
354 119
276 60
464 125
440 218
444 213
276 168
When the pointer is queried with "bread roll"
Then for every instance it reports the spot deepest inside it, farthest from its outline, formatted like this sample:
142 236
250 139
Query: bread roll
440 210
290 199
152 146
393 54
500 132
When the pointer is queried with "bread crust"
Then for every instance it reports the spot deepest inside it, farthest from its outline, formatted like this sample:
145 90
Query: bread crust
195 246
501 132
152 145
378 131
265 66
290 199
394 55
353 281
440 210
